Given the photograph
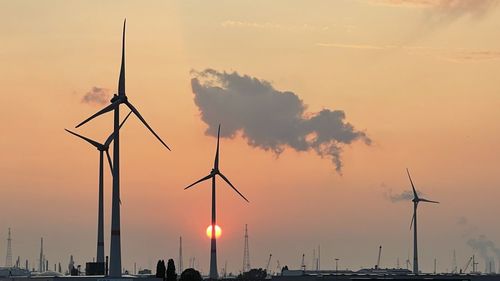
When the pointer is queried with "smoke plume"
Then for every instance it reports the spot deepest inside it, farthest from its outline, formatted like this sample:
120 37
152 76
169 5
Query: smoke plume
268 118
486 248
97 95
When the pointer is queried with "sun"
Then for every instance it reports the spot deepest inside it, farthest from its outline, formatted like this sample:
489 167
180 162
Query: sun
218 231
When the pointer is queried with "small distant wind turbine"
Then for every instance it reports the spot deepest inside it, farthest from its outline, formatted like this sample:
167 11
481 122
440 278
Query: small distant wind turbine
215 171
416 199
103 148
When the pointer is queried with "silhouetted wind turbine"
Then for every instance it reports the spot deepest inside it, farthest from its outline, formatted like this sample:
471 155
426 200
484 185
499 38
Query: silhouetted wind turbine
103 148
115 263
416 199
215 171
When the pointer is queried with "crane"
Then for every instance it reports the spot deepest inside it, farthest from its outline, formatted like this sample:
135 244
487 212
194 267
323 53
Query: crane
467 264
378 259
268 263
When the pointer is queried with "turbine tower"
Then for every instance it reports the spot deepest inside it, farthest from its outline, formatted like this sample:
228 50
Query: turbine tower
215 171
416 199
246 253
8 258
102 148
115 262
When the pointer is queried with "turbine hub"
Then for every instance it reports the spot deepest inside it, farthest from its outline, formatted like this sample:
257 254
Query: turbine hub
114 98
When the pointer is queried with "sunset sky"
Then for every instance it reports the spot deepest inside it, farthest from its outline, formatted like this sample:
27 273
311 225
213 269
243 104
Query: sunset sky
418 80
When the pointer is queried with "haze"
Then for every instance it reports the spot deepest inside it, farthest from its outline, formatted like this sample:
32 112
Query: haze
418 80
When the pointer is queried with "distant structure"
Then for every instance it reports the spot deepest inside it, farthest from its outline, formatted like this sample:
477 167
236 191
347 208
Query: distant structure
246 253
8 258
181 269
416 199
377 266
318 261
40 266
71 264
454 265
269 263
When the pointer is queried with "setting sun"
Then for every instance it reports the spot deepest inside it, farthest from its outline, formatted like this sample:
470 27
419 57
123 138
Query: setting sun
218 231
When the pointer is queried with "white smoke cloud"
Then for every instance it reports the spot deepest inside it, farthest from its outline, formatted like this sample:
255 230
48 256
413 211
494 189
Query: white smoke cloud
268 118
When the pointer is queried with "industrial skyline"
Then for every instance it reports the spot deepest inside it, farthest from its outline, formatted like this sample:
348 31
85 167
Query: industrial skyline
322 107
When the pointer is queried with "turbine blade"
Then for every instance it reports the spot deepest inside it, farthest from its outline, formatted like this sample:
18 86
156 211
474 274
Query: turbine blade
203 179
108 108
136 112
216 162
412 186
228 182
430 201
109 161
92 142
412 220
112 136
121 81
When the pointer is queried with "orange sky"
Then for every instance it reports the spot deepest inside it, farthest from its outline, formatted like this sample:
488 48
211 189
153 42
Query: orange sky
420 80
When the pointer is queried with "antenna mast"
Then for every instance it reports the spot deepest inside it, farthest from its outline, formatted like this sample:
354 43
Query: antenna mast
246 253
8 258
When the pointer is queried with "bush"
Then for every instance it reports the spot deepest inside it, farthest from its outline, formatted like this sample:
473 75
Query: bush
191 274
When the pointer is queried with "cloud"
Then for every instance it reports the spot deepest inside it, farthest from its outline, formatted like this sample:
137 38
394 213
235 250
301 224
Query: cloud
97 95
462 220
445 54
406 195
446 8
276 26
268 118
356 46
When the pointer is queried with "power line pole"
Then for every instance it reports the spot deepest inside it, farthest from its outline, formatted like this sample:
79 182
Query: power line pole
246 253
8 258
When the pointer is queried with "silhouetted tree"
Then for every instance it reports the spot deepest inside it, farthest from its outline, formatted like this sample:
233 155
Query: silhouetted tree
191 274
171 275
255 274
160 269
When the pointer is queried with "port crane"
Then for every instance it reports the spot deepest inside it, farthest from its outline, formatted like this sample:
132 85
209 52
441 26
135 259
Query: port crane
268 263
377 266
471 259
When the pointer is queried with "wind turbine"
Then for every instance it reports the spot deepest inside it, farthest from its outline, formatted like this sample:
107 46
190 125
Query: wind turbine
416 199
103 148
115 263
215 171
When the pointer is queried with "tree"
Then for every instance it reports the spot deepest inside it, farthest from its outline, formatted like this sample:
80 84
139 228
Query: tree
255 274
191 274
171 275
160 269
